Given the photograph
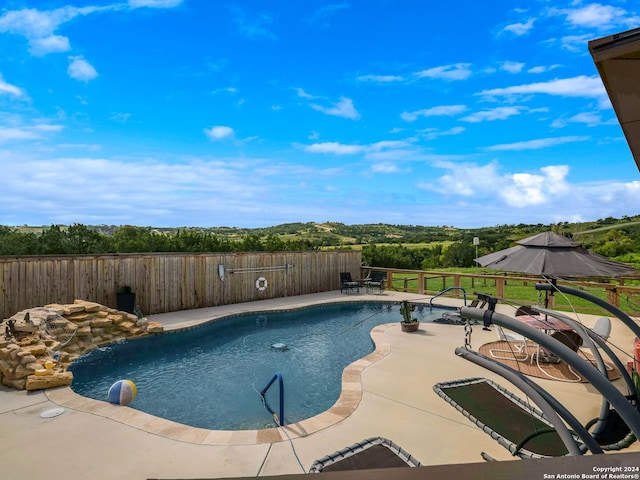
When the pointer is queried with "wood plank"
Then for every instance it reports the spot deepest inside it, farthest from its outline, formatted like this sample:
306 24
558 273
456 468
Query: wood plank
166 282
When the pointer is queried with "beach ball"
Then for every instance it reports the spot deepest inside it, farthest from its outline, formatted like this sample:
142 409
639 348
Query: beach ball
122 392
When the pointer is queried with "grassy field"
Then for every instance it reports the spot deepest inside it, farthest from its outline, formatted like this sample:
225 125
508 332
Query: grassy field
517 292
407 245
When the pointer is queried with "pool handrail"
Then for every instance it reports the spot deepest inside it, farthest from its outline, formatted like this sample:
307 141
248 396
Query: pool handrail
464 294
276 376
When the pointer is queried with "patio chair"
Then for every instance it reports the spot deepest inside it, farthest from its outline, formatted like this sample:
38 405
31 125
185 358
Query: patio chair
569 338
515 423
526 310
602 328
347 284
517 346
375 282
521 427
376 452
477 303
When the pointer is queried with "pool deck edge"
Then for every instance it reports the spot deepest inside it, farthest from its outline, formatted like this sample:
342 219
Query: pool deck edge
348 401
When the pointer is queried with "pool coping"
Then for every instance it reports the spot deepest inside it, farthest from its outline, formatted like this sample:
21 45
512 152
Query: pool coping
349 399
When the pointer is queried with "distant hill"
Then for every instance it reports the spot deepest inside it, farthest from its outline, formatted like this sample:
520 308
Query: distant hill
340 234
398 246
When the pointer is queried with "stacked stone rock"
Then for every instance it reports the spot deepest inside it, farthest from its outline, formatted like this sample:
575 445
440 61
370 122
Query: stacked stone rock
59 334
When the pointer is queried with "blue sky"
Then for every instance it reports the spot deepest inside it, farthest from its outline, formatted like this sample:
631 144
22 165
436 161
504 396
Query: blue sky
253 113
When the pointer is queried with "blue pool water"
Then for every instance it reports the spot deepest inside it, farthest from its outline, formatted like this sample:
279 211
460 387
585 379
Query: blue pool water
209 376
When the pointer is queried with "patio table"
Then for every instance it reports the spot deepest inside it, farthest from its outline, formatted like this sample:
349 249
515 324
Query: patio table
546 323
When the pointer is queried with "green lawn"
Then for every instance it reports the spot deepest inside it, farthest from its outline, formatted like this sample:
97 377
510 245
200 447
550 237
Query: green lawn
517 292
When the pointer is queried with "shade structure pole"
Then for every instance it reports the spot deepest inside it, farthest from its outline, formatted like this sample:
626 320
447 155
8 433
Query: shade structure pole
628 321
549 405
591 339
600 382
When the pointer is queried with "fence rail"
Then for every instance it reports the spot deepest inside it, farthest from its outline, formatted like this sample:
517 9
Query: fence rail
169 282
509 288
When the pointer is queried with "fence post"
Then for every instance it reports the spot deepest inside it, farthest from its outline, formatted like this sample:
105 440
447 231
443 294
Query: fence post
612 296
500 286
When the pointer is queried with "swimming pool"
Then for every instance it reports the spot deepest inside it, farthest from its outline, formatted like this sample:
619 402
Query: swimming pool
210 376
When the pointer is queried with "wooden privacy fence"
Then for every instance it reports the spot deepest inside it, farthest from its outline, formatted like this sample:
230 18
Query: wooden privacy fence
169 282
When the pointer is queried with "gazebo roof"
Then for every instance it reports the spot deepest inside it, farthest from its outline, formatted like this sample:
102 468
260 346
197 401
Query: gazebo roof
617 58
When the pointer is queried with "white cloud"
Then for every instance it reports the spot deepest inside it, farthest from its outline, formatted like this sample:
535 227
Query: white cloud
526 189
499 113
219 132
384 167
458 179
384 154
441 110
10 89
512 67
580 86
433 133
575 43
594 15
120 117
223 90
343 108
35 132
381 78
519 190
154 3
334 147
246 191
302 94
542 69
326 11
80 69
591 119
520 28
536 194
252 25
16 134
535 144
50 44
458 71
38 27
45 127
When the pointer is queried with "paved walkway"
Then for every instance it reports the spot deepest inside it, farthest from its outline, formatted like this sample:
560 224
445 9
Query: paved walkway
389 394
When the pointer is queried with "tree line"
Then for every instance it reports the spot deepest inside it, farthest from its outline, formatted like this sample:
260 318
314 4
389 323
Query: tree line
453 250
80 239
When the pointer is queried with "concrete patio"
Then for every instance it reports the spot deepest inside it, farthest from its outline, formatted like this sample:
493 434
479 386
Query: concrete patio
388 394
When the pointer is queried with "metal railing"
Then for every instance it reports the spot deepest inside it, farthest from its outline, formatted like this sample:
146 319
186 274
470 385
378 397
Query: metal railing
279 418
464 294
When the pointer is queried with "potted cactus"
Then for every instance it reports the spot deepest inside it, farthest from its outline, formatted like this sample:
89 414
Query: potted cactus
409 323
